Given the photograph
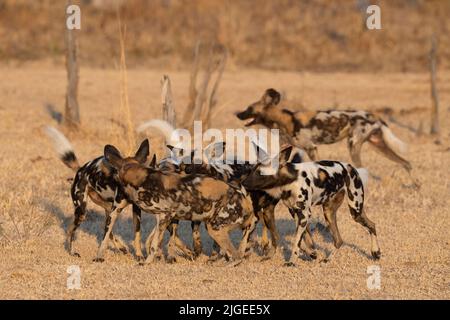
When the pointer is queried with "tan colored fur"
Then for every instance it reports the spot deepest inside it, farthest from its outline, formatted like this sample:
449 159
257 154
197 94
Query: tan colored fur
213 189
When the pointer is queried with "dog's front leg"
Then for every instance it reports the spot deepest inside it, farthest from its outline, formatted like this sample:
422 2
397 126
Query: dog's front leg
301 220
176 245
137 232
156 237
196 238
247 232
110 221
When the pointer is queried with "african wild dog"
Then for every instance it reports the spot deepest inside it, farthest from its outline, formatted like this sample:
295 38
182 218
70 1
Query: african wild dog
305 130
229 170
170 196
322 183
96 179
263 203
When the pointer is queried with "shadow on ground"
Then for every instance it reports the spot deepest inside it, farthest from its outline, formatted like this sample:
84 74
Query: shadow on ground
95 220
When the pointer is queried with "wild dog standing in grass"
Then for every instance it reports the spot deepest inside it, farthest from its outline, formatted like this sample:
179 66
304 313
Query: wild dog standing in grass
231 171
173 196
322 183
97 180
305 130
263 204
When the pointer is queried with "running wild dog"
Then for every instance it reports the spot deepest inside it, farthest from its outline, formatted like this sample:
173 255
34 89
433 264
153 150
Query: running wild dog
306 129
323 183
170 196
97 180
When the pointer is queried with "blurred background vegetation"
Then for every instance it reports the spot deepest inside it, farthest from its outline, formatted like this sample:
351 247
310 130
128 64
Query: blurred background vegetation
314 35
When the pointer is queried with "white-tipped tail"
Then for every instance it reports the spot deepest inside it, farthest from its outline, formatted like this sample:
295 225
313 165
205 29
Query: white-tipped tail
61 145
364 175
394 143
171 135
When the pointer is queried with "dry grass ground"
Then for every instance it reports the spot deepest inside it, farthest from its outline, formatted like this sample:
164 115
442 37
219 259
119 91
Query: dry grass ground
35 207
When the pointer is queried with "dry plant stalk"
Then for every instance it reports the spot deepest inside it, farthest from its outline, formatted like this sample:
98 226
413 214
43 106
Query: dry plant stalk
72 109
201 103
168 111
434 94
124 109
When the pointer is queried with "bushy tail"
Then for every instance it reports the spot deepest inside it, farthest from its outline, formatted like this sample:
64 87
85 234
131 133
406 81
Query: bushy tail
394 143
63 148
364 176
171 135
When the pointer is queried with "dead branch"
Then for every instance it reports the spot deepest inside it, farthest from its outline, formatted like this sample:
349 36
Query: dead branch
192 89
211 67
72 110
168 110
434 94
212 101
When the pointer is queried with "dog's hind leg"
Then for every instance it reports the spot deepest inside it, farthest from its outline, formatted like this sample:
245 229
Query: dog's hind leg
107 206
301 221
137 232
330 209
269 223
78 194
309 243
377 140
354 144
156 237
176 244
116 241
355 195
196 238
306 239
119 204
222 237
247 231
80 215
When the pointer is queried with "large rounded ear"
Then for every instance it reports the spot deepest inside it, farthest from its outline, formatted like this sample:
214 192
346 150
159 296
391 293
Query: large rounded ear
261 154
153 162
285 154
215 150
271 98
113 156
143 152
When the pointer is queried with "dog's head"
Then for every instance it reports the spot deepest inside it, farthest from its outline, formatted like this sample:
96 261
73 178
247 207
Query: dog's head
256 110
131 170
264 176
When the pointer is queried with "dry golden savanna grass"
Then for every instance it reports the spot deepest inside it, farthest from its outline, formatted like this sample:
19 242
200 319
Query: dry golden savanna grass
280 34
35 205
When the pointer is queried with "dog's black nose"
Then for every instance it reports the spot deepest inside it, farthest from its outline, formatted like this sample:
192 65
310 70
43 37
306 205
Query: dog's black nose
242 115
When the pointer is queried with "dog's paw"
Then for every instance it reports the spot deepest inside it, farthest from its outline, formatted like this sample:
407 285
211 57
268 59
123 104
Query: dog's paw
313 255
98 260
171 259
376 255
140 258
290 264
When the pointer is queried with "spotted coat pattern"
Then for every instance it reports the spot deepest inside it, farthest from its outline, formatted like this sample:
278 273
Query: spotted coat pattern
322 183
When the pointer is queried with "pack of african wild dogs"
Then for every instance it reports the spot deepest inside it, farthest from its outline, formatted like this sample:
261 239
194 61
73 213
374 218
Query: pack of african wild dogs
234 195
